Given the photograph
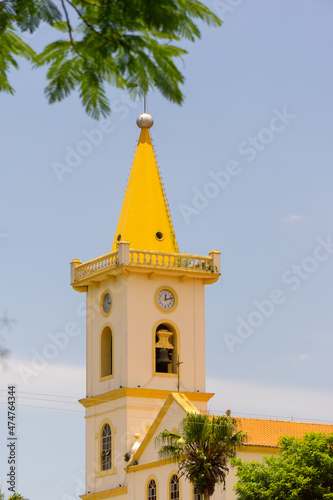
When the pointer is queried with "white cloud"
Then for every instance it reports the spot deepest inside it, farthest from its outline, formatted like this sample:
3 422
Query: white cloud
52 379
291 219
303 357
271 401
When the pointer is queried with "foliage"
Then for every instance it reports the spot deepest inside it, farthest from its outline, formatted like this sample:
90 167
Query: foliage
202 448
129 44
303 470
14 496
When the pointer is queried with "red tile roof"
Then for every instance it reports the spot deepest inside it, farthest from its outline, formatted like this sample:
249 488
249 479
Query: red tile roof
265 432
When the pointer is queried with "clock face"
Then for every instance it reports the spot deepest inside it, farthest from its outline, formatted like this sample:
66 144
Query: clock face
107 303
166 299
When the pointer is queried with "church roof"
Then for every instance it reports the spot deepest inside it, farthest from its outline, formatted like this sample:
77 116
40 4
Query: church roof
266 432
145 220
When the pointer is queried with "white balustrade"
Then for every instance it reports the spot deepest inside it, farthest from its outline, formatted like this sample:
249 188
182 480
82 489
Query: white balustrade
146 258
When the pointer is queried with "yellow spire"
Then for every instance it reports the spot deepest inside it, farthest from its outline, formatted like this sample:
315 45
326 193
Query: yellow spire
145 220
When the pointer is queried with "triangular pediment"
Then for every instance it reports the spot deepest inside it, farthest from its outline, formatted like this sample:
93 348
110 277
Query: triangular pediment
175 408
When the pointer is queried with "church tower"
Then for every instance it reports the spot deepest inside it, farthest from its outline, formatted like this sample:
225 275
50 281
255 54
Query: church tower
145 325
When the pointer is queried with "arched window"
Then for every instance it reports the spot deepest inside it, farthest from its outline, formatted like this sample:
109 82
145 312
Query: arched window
106 352
152 495
106 448
197 496
174 488
166 351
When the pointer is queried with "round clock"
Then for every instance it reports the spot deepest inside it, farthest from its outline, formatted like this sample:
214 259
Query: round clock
166 299
106 303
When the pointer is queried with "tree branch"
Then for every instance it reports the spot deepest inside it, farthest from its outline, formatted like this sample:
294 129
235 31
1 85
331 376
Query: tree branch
70 30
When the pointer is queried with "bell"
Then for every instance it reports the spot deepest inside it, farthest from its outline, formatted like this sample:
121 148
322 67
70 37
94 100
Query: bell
163 356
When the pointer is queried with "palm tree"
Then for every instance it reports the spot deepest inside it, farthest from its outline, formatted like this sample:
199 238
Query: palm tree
14 496
202 449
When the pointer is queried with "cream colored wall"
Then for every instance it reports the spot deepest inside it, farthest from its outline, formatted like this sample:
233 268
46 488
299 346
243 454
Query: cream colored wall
188 317
249 456
117 319
171 420
132 318
137 483
128 416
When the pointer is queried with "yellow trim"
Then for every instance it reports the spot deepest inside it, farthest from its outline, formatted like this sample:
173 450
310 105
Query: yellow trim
104 495
147 483
183 402
140 392
98 436
105 314
106 377
125 407
150 465
166 287
174 473
145 209
177 346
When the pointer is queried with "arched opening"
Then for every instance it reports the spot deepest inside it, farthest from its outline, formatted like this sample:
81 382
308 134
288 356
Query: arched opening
152 490
166 349
106 352
174 487
106 448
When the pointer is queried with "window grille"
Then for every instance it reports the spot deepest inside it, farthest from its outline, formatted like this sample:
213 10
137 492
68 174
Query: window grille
152 490
174 488
106 448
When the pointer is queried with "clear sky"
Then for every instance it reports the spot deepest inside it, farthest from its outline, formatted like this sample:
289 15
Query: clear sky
247 167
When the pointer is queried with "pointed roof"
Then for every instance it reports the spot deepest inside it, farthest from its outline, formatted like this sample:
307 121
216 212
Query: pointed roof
145 220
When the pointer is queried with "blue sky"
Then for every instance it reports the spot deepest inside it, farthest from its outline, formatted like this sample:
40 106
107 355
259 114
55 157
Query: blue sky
258 117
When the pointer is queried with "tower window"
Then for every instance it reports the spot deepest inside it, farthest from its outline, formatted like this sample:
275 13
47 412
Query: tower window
159 235
119 237
106 352
106 448
174 488
165 349
152 493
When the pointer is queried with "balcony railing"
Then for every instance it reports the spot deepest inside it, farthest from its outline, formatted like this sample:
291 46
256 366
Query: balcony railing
146 258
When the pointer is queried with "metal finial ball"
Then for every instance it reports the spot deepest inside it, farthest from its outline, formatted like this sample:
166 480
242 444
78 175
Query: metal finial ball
145 121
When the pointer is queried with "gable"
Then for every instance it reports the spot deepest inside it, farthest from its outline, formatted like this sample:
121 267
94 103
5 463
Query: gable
171 414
